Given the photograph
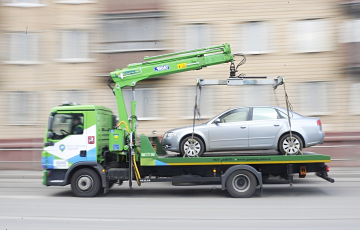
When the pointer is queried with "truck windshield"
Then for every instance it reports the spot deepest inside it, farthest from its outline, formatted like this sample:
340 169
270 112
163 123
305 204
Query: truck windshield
67 124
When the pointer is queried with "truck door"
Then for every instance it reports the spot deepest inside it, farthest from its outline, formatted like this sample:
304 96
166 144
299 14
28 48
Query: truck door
231 131
264 127
66 141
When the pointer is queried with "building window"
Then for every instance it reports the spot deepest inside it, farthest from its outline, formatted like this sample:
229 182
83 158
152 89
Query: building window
197 36
350 31
23 108
314 98
146 103
253 38
23 48
74 46
311 35
350 36
126 34
24 3
354 99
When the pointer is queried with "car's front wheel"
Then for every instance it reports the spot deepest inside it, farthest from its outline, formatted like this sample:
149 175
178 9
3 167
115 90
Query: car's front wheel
192 147
290 146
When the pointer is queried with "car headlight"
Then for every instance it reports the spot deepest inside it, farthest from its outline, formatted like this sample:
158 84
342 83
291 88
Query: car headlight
168 135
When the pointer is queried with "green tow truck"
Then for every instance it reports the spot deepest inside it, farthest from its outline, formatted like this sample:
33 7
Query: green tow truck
86 147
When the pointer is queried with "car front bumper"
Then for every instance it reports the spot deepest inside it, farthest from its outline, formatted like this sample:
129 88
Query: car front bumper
170 144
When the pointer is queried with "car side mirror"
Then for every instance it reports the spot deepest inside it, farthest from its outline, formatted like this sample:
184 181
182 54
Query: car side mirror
217 121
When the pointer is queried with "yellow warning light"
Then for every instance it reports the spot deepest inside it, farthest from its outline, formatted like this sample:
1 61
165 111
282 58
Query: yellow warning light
103 170
214 170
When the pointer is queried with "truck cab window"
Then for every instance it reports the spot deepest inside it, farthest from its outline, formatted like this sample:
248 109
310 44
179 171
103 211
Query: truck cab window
67 124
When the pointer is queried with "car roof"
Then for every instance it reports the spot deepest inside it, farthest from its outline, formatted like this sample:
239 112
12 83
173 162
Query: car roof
264 106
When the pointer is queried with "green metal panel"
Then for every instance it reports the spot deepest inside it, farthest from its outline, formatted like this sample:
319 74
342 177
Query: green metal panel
149 157
104 123
116 140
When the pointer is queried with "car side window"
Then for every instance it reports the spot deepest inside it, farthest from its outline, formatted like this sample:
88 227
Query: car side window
236 115
264 114
283 115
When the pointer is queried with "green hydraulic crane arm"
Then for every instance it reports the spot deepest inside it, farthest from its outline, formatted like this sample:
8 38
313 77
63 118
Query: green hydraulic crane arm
164 65
172 63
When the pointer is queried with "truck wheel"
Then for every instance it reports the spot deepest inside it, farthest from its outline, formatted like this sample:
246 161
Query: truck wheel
241 184
85 183
286 145
192 149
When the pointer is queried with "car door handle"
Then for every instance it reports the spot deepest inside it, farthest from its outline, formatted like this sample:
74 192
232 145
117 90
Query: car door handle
276 125
243 127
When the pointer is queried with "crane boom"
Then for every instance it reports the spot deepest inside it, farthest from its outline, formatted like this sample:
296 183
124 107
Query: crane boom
172 63
164 65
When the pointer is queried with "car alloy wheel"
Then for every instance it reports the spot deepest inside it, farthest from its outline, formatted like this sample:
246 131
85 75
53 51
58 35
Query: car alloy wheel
192 147
291 146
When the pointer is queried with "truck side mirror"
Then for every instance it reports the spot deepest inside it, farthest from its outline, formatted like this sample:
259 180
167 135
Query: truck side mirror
217 121
51 119
50 135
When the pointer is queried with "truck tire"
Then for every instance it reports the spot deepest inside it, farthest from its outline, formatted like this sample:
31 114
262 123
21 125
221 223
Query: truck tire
199 147
241 184
284 144
85 183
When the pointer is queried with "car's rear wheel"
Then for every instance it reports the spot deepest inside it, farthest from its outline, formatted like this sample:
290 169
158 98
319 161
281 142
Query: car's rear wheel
290 146
192 147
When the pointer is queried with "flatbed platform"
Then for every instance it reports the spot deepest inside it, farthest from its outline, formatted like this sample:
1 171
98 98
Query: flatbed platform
149 157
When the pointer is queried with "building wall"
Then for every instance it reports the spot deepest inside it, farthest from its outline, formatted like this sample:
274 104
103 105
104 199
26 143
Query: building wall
311 43
300 40
47 58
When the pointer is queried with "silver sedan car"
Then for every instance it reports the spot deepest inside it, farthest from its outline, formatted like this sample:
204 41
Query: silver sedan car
247 128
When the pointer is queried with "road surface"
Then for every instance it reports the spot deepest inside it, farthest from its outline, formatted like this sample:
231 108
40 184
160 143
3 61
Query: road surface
311 203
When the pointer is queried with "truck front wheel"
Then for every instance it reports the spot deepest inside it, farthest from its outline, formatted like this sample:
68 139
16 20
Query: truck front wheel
85 183
241 184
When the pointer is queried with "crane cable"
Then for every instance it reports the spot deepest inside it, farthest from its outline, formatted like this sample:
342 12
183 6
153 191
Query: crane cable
289 108
136 170
196 111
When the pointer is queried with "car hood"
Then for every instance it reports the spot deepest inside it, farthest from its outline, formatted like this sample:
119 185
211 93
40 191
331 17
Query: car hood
189 127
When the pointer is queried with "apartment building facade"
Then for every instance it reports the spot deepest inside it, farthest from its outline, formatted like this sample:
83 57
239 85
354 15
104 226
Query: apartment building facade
63 50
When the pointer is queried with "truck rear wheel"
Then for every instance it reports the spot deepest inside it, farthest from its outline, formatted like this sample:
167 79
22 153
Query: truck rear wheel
241 184
85 183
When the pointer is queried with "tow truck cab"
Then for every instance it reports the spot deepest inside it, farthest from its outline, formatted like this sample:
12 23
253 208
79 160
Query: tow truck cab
63 147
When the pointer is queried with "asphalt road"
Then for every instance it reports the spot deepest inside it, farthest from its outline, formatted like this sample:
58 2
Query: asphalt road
311 203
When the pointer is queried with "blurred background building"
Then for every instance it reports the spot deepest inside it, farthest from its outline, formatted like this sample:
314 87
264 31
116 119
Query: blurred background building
53 51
